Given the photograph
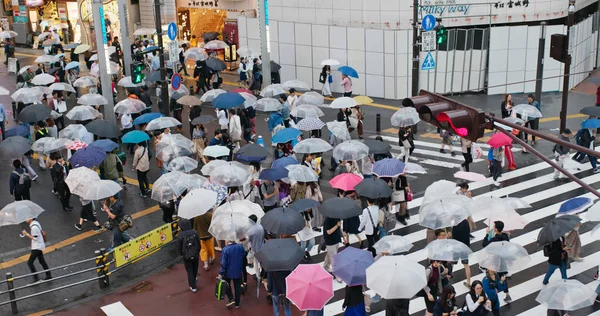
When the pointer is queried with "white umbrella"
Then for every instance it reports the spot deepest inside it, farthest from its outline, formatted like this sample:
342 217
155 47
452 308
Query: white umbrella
167 187
190 100
86 81
113 69
24 69
393 244
245 51
82 48
527 110
212 165
350 150
470 176
183 164
405 117
503 256
438 189
61 86
82 113
296 84
216 45
301 173
8 34
94 57
312 98
272 91
17 212
101 189
4 91
76 132
240 206
310 124
489 204
511 219
23 92
215 151
127 83
46 59
80 179
250 99
448 250
172 146
129 106
144 31
196 202
268 105
566 295
411 167
396 277
234 174
92 99
445 211
42 79
307 110
232 227
162 123
192 181
312 145
330 62
339 130
54 115
196 53
343 103
182 91
210 95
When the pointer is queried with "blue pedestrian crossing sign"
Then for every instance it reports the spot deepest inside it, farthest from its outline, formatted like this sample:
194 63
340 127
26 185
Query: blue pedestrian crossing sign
428 22
428 62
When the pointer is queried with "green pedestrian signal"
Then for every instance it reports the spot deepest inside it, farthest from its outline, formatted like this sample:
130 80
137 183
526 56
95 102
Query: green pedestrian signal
441 34
137 72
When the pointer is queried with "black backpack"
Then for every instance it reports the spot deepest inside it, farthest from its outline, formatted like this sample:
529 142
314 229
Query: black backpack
191 247
24 180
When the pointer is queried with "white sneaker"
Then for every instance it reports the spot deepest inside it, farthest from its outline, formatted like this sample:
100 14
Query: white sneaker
496 183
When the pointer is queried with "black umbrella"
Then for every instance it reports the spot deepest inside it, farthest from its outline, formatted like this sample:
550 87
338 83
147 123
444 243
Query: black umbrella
283 221
103 128
377 147
340 208
203 119
274 66
595 80
373 188
210 35
34 113
556 228
15 146
304 204
591 111
280 254
216 64
252 153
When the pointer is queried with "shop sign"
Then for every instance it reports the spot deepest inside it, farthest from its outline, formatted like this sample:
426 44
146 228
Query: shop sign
457 8
208 4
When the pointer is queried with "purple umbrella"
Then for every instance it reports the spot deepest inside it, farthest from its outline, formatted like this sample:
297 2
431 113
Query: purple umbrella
351 265
19 130
87 157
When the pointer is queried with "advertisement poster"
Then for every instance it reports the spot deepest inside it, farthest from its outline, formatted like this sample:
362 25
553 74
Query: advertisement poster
143 245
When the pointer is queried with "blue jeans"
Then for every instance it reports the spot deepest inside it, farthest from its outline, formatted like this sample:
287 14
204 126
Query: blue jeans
277 301
119 237
552 268
307 245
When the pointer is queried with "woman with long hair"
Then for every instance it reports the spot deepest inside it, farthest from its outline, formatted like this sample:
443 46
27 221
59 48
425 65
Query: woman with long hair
326 79
446 303
507 105
314 192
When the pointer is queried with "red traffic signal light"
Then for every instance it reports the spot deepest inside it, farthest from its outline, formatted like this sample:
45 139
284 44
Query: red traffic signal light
458 118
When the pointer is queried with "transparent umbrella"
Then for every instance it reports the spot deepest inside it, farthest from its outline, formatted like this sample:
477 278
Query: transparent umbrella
162 123
503 256
233 174
196 202
18 212
101 189
312 98
190 100
310 124
192 181
307 110
268 105
230 227
566 295
393 244
396 277
172 146
448 250
129 106
299 85
438 189
76 132
82 113
272 90
212 165
312 145
183 164
128 83
167 187
343 103
244 207
350 150
210 95
216 151
80 179
339 130
444 212
527 110
85 81
62 87
52 145
405 117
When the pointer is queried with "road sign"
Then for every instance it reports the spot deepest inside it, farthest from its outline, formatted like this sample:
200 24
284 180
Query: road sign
172 31
428 22
428 41
143 245
428 62
176 81
173 52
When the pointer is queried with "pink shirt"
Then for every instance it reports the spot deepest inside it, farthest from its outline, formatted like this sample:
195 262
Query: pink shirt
347 83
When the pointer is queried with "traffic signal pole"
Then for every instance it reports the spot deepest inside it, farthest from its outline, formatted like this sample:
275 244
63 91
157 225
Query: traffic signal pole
540 63
161 57
567 73
103 62
415 49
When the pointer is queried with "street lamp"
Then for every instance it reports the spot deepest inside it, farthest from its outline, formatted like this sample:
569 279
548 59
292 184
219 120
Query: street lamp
567 72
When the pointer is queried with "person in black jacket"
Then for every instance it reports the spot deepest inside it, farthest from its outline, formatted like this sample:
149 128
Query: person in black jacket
188 241
19 190
557 259
498 234
585 138
354 301
182 60
60 170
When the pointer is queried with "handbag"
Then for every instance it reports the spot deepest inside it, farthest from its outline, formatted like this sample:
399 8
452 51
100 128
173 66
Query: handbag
409 195
126 222
398 196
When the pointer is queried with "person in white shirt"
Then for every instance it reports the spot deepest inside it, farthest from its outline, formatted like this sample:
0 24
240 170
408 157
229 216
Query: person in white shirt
38 244
291 100
235 128
369 220
223 120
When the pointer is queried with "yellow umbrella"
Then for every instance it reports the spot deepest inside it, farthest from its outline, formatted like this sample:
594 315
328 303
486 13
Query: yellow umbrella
82 48
363 99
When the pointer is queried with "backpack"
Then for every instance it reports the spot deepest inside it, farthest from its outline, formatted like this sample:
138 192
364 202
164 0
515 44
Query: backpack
10 49
191 247
579 137
389 220
24 180
547 249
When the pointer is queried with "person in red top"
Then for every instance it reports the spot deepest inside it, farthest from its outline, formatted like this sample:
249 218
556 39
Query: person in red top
598 97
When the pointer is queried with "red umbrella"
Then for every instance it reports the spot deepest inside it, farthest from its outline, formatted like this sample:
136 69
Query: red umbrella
499 140
238 90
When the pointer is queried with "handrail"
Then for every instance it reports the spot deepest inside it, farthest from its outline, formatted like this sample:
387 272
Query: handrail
50 290
51 269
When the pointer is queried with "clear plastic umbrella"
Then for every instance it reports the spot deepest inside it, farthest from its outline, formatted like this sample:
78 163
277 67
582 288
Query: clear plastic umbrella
196 53
192 181
230 227
350 150
144 31
339 130
42 79
486 203
268 105
396 277
210 95
190 100
307 110
216 151
46 59
129 106
51 145
250 99
233 174
330 62
179 93
62 87
85 81
405 117
183 164
272 90
245 51
8 34
448 250
28 95
172 146
167 187
216 44
76 132
196 202
446 211
244 207
393 244
343 103
212 165
511 219
312 145
101 189
162 123
301 173
527 110
82 113
299 85
80 179
438 189
128 83
566 295
17 212
503 256
411 167
312 98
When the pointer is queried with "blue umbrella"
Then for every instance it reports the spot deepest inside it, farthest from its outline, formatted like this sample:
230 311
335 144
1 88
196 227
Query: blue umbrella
87 157
105 144
286 135
145 118
274 120
351 265
284 162
228 100
19 130
72 65
574 206
591 123
348 71
388 168
252 153
150 48
273 174
135 137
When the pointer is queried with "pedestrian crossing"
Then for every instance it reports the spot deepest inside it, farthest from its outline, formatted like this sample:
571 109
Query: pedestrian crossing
535 185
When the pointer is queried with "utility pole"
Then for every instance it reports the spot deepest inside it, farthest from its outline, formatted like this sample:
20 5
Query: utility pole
102 47
540 64
415 49
161 57
567 73
263 12
125 35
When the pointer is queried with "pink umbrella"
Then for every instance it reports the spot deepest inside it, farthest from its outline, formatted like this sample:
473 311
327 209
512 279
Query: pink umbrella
470 176
499 140
76 145
511 219
309 287
345 181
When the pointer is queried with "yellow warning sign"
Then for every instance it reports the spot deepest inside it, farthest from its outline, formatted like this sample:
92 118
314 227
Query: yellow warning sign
143 245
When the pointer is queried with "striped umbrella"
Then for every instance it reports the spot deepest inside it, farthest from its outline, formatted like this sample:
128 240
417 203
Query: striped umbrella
388 168
309 124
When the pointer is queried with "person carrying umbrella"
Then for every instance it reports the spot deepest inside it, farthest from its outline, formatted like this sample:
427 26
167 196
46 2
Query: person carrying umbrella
561 153
276 286
354 301
19 182
497 235
332 234
60 170
496 158
533 123
232 264
87 214
38 244
585 138
115 210
434 274
326 79
558 257
493 283
141 165
369 223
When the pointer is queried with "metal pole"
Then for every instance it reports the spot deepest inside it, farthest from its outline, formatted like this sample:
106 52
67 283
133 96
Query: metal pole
378 123
125 35
540 63
161 57
103 61
415 49
565 92
263 20
11 293
99 268
105 268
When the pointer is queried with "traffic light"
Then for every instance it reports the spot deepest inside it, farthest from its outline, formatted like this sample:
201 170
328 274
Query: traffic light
137 72
558 47
460 119
440 32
